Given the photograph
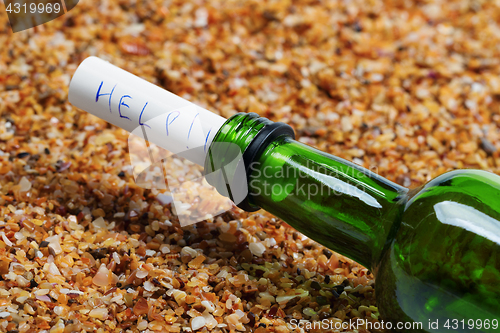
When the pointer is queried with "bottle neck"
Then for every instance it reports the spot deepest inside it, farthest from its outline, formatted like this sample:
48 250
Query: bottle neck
339 204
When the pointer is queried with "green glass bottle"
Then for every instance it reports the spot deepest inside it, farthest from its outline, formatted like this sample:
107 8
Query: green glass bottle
435 250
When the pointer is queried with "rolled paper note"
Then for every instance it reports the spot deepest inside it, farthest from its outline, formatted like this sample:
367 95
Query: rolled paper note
144 109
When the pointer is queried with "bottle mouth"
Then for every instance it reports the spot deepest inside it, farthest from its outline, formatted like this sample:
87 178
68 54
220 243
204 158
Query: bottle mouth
239 143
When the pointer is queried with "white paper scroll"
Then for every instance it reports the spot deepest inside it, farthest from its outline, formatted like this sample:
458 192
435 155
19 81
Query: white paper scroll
144 109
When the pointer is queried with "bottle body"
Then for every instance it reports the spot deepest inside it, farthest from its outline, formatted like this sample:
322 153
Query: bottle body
435 250
442 268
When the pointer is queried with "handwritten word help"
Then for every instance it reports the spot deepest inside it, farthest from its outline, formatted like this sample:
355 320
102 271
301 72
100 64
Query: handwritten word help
144 109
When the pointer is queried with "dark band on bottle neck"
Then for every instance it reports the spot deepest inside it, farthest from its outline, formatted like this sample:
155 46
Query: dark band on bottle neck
252 134
259 143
